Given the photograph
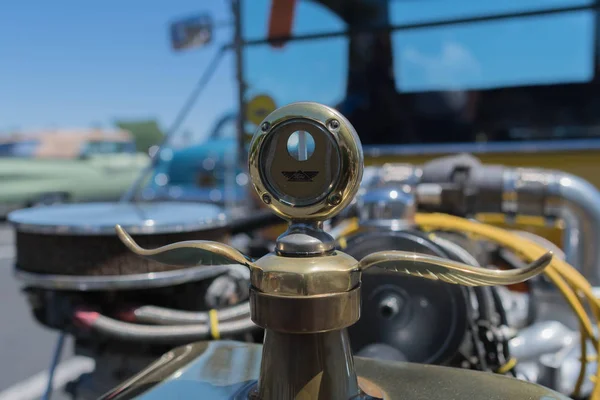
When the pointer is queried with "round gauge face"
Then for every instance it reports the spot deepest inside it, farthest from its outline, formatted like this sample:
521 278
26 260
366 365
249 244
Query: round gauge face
305 162
300 163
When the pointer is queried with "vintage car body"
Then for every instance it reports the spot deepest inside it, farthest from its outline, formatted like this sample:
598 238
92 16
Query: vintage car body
203 172
197 173
68 166
227 369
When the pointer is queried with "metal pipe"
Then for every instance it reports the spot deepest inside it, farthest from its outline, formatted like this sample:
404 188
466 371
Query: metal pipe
167 316
387 199
571 242
545 337
582 201
427 24
168 334
238 48
131 193
554 195
559 195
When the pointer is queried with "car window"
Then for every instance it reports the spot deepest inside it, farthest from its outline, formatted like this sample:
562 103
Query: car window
19 149
127 147
5 149
106 147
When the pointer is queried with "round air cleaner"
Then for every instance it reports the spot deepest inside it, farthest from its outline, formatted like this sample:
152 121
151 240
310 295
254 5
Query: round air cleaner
75 246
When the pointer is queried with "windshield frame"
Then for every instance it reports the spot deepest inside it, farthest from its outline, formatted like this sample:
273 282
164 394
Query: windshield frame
432 23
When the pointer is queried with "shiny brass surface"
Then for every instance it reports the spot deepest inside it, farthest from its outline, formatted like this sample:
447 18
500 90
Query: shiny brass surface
371 389
317 367
431 267
327 198
190 253
337 272
307 276
284 276
305 314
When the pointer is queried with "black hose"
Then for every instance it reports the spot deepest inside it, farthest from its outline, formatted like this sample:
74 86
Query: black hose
167 316
55 360
515 262
499 308
504 321
158 334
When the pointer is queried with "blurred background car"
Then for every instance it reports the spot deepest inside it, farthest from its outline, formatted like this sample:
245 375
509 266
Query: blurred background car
51 167
203 172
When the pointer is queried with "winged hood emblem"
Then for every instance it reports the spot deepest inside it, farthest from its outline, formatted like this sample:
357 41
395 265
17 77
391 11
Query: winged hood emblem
199 252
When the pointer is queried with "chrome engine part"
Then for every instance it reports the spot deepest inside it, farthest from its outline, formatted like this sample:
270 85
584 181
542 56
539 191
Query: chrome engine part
539 329
549 353
406 318
76 273
426 321
462 185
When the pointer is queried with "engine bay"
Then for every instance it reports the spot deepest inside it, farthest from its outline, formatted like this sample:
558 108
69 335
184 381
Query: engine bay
124 312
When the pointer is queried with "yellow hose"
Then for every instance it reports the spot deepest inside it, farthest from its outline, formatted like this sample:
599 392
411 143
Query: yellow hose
582 370
566 278
508 366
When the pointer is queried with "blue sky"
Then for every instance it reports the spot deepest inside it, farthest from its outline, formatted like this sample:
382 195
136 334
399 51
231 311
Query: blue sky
71 63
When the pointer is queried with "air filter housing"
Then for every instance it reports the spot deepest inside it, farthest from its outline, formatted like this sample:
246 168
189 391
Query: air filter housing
79 240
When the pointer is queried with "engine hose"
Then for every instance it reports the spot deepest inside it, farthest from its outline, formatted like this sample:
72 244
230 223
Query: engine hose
159 334
167 316
504 321
566 278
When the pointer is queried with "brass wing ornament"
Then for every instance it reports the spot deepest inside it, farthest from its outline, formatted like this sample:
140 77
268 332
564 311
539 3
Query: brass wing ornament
187 254
201 252
312 191
435 268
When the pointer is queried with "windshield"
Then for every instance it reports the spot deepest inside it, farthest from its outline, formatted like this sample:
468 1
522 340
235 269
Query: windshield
489 79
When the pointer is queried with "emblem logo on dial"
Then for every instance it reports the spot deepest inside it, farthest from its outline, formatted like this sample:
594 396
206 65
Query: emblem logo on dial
300 176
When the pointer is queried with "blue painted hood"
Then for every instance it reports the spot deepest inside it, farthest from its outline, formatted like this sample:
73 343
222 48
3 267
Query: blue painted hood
186 163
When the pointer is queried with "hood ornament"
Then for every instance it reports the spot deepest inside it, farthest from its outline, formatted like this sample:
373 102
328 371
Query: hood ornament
306 293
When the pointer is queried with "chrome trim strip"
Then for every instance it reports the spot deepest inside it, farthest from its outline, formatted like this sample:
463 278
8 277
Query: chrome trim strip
482 148
120 282
90 230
